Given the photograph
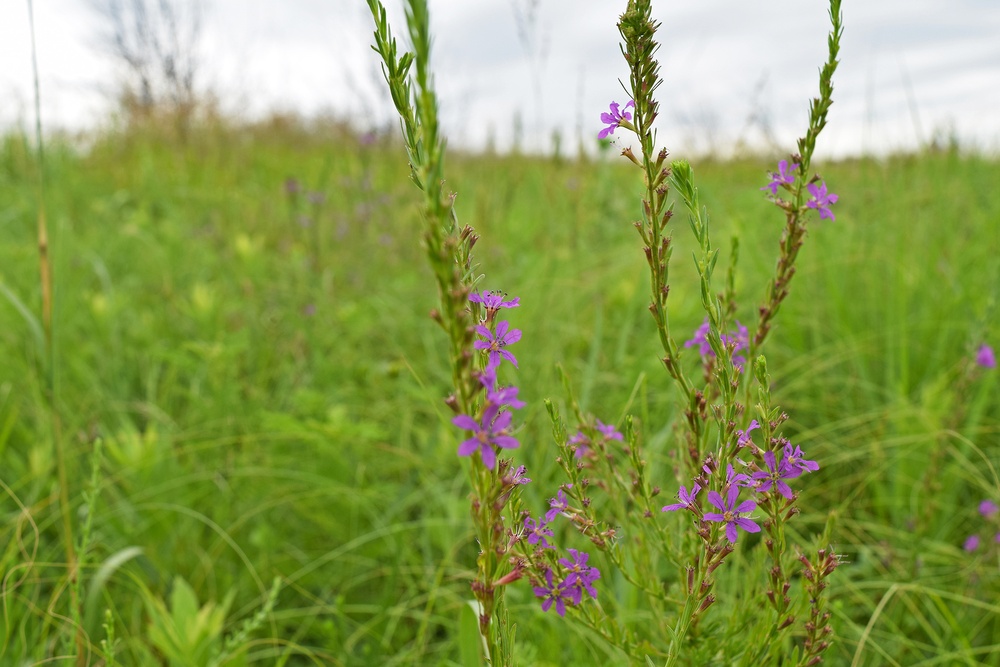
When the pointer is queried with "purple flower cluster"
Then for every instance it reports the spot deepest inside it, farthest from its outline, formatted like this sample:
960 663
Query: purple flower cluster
988 510
739 342
731 511
493 428
577 576
820 199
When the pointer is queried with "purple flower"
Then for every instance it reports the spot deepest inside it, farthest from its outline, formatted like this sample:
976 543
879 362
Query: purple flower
740 341
608 431
731 513
518 476
557 505
495 344
781 177
701 340
537 532
821 201
493 301
551 592
743 437
316 198
795 462
581 576
971 543
582 443
985 356
492 432
496 395
734 479
686 499
775 475
988 508
614 119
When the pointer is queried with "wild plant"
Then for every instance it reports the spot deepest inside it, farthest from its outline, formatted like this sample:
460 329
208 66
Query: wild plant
721 575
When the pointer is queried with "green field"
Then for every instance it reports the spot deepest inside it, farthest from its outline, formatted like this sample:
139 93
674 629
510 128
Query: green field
265 385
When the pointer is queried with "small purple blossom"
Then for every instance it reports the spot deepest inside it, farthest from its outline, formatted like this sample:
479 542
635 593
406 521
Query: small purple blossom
821 201
614 119
491 432
496 395
796 463
686 499
518 476
495 344
781 177
731 513
740 341
988 508
554 592
736 479
701 340
985 356
608 431
581 576
971 543
557 506
582 443
743 437
775 475
494 301
537 532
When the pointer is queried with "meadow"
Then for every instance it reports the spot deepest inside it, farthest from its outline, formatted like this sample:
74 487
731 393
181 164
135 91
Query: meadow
243 386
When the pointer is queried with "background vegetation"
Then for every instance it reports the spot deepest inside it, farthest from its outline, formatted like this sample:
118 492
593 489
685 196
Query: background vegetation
246 385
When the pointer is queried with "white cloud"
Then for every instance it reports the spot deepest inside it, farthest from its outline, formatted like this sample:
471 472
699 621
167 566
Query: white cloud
313 55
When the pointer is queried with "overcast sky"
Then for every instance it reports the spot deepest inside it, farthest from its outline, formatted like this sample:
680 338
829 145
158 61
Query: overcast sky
911 69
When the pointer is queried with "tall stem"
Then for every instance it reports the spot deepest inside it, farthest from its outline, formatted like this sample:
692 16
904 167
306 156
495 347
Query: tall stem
45 278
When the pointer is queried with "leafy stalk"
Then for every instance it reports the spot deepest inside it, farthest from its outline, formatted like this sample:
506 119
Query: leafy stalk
449 252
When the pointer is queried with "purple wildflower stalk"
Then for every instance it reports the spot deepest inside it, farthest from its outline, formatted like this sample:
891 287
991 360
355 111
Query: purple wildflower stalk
449 252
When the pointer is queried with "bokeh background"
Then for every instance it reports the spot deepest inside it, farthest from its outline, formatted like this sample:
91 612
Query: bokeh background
236 381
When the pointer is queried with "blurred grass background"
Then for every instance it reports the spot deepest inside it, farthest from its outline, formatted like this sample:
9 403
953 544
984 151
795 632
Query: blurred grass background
255 357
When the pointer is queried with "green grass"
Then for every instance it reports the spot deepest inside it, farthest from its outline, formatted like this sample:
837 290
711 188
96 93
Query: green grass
271 406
